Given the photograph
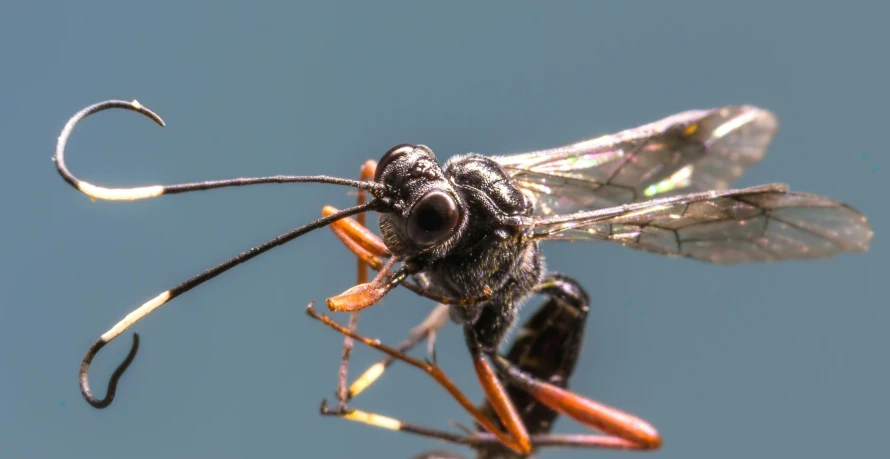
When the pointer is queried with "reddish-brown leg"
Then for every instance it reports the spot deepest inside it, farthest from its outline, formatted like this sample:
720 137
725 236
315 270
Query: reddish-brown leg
367 173
426 330
473 439
500 401
515 438
624 430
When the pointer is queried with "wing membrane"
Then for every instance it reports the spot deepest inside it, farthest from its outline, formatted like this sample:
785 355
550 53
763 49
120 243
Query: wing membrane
757 224
691 151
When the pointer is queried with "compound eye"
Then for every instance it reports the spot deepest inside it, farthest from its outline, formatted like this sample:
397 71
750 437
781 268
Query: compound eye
393 154
433 219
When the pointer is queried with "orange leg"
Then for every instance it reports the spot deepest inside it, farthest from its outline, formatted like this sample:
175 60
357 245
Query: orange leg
426 330
500 401
624 430
367 173
516 437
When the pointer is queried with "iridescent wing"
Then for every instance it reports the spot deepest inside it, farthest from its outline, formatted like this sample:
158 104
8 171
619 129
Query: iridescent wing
688 152
757 224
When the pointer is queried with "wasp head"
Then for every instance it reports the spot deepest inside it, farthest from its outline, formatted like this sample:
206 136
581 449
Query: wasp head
426 211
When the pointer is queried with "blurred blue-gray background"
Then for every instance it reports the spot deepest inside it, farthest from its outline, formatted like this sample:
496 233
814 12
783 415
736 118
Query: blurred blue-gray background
779 360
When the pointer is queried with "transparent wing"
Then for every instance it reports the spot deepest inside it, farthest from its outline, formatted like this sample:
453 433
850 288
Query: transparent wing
757 224
691 151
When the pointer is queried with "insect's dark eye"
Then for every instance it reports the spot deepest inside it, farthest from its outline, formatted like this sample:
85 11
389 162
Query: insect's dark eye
433 218
393 154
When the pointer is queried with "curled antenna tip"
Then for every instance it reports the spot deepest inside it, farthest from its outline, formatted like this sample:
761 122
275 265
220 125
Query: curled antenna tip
145 111
115 377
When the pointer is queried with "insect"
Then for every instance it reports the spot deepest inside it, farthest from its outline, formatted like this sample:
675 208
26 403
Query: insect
467 233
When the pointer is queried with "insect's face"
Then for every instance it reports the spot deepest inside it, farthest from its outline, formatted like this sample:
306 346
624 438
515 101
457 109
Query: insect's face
426 211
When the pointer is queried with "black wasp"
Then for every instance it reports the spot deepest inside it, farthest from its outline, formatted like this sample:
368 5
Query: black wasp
466 233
